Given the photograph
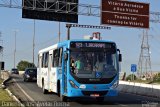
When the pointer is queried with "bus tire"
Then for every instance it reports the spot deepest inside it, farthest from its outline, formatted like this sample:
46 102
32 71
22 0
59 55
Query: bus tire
43 88
100 99
63 98
58 89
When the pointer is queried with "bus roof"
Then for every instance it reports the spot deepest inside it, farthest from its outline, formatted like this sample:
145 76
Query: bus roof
48 48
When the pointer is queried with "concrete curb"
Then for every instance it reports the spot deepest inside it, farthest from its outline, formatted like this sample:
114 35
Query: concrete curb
10 93
14 97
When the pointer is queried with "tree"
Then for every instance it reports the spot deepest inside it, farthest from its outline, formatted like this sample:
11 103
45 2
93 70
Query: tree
22 65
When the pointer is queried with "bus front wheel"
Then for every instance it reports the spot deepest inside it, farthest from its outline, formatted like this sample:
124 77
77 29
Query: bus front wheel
63 98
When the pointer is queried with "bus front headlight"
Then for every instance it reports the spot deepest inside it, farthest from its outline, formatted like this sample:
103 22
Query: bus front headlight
115 85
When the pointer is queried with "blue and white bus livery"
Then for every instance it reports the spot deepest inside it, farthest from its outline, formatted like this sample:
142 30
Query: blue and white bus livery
79 68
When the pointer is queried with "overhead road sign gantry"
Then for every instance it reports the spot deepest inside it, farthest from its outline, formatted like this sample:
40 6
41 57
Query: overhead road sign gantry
88 26
53 10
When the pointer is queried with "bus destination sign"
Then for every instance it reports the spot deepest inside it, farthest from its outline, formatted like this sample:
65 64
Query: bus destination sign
91 45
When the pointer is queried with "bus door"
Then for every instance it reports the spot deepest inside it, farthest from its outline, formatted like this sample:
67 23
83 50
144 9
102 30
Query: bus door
64 71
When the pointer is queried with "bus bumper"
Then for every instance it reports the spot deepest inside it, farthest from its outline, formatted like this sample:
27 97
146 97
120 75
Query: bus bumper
93 93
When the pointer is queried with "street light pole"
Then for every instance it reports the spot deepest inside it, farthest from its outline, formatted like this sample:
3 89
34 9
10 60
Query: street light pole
15 49
59 33
68 31
33 40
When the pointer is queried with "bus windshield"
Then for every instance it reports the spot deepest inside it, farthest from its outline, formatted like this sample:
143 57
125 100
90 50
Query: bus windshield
93 63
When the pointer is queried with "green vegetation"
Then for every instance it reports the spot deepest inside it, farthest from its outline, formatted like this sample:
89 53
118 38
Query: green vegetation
5 99
131 77
156 78
22 65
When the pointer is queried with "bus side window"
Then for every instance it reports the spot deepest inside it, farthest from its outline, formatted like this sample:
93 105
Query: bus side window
42 64
55 58
46 59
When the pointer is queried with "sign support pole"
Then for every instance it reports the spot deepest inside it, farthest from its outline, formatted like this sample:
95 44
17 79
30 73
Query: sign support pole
68 31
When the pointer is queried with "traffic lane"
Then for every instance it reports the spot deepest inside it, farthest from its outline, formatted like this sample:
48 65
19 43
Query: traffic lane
33 90
124 99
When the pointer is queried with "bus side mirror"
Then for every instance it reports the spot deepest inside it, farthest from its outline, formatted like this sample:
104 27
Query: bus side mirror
120 57
66 56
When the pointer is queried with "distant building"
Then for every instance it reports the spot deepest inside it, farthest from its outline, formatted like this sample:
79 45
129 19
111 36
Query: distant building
95 36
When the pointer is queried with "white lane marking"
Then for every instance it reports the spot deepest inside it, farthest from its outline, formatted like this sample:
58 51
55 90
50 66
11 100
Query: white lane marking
29 97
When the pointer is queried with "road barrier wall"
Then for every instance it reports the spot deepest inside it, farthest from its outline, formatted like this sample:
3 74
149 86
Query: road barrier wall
4 75
139 88
21 72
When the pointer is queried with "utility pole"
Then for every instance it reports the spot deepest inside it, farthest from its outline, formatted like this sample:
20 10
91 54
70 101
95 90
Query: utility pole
144 63
59 33
1 46
1 52
15 31
68 31
34 32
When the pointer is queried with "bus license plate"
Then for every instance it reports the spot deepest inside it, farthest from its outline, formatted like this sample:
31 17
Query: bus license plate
94 95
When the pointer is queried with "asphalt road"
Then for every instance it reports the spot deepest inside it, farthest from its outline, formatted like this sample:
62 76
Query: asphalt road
32 92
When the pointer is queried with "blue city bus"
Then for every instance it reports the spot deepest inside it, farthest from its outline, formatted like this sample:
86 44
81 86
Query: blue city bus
79 68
